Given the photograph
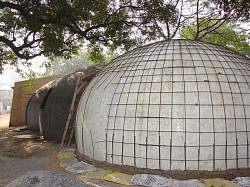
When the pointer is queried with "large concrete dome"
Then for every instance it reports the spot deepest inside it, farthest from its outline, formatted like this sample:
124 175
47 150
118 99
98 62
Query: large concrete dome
171 105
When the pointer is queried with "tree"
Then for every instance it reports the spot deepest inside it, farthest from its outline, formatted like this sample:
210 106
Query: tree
203 11
239 8
229 34
62 66
30 28
98 56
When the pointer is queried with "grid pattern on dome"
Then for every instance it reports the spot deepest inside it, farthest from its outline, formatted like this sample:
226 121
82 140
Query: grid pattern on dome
171 105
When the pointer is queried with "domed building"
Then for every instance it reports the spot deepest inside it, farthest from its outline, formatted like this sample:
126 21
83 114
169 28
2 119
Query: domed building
36 102
172 105
55 107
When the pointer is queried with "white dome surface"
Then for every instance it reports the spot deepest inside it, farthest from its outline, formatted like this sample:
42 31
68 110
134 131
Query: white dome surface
171 105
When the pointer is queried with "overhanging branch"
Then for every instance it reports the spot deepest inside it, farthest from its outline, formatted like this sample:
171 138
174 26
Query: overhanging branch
17 50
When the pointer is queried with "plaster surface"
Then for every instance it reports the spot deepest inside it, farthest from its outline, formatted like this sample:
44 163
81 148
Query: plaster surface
171 105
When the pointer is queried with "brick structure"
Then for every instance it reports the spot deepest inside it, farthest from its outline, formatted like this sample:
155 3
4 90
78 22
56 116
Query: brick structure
21 97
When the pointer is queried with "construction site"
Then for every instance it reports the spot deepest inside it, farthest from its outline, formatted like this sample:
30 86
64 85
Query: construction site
170 113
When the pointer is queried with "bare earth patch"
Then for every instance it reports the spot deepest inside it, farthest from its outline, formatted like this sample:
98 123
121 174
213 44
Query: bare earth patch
19 157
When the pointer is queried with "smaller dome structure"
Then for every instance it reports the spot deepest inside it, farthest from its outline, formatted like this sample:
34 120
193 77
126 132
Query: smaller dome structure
35 103
55 111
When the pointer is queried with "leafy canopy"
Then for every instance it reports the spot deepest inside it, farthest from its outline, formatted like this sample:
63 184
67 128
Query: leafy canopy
229 34
239 8
30 28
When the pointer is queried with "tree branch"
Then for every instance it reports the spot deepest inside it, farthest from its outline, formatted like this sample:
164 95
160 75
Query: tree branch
215 26
17 7
17 50
197 21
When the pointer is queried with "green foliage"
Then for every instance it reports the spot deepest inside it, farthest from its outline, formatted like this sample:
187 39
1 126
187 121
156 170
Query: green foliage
229 34
30 28
31 82
97 56
60 27
240 8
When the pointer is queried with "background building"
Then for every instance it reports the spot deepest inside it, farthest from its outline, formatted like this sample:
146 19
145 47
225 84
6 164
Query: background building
5 100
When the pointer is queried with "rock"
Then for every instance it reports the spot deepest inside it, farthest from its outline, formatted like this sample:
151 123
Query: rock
43 178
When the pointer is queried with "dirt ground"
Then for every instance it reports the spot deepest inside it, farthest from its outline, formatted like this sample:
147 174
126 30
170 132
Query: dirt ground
19 157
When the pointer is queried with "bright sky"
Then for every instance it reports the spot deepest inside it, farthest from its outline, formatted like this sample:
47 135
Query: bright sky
9 76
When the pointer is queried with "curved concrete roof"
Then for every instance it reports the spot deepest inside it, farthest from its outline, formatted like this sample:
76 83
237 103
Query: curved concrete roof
171 105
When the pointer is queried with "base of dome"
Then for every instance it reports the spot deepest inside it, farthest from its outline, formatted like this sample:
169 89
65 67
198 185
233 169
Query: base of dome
176 174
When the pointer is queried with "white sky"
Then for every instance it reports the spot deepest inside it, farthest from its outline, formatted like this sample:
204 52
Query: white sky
9 76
